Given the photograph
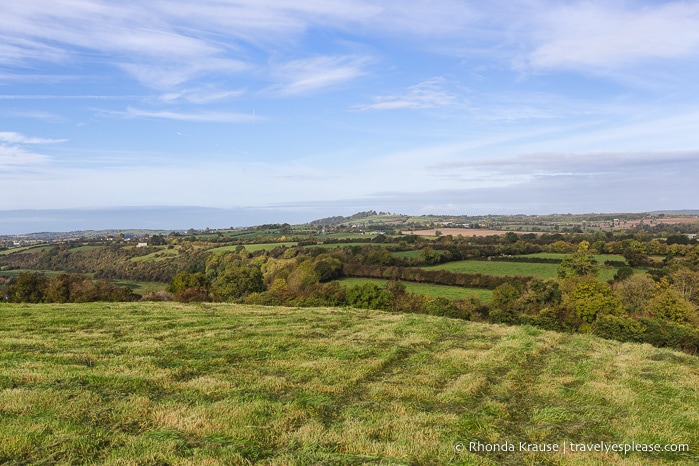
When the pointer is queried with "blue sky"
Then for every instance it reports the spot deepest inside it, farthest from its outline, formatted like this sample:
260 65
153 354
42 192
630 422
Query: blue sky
328 107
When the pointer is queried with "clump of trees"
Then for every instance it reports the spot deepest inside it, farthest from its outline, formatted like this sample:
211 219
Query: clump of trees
634 308
64 288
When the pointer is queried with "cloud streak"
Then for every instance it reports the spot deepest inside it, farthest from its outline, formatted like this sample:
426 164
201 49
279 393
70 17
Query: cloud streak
17 138
427 94
304 76
197 117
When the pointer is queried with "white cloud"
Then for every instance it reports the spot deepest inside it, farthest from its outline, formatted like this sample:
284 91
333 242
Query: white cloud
211 117
608 35
616 165
200 95
13 158
17 138
427 94
165 44
318 73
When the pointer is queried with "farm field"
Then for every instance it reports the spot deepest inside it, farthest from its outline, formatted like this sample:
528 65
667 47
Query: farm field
511 269
162 254
16 272
25 249
450 292
141 288
601 258
406 254
253 247
461 231
164 383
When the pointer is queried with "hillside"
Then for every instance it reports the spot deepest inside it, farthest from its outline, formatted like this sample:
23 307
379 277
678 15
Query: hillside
163 383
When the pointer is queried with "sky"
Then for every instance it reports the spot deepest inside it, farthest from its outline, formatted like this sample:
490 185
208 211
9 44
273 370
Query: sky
290 110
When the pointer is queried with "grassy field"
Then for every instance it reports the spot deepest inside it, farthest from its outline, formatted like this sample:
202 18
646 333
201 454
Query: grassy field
406 254
511 269
35 248
142 288
254 247
449 292
16 272
598 257
164 383
161 254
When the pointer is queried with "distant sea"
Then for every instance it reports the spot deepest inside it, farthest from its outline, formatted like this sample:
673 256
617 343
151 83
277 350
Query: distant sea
16 222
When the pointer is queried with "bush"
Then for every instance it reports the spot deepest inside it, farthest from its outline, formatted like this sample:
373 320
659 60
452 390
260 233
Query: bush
618 328
668 334
369 296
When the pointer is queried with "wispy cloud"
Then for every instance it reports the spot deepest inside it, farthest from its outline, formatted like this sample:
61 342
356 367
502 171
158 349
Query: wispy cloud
69 97
17 138
210 117
610 164
318 73
427 94
200 95
13 158
608 35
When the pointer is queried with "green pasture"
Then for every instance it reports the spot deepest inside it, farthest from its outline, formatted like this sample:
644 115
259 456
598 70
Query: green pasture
254 247
16 272
141 288
454 293
161 254
407 254
33 248
86 247
601 258
223 384
512 269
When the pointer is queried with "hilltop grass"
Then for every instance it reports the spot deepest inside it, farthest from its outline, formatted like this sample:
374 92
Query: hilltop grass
512 269
454 293
164 383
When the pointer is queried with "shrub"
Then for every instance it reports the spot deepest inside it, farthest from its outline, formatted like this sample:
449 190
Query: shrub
369 296
618 328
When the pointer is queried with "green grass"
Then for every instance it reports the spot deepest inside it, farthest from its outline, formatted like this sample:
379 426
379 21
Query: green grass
16 272
162 254
86 247
33 248
500 268
406 254
253 247
164 383
450 292
141 288
512 269
601 258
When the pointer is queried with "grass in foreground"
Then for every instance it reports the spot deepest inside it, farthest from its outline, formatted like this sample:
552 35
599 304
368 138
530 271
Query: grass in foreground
164 383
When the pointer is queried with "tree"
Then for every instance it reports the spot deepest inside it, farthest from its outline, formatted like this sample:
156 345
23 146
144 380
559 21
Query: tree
579 264
29 288
635 253
327 268
669 305
188 287
635 292
686 282
591 298
505 305
237 282
369 296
